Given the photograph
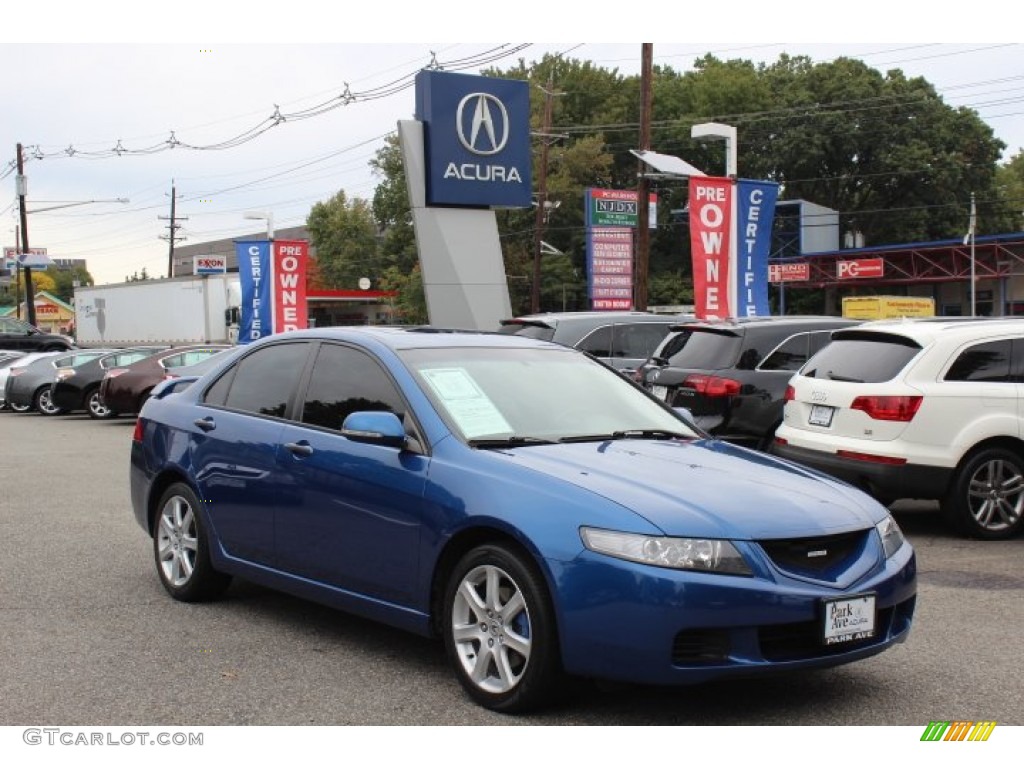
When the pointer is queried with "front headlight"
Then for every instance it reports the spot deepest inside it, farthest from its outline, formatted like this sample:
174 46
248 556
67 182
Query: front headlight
892 536
715 555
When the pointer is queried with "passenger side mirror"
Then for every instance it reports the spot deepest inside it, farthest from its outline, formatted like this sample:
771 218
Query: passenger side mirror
374 427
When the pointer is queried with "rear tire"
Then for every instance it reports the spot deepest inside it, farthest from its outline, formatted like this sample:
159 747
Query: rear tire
43 402
986 498
181 548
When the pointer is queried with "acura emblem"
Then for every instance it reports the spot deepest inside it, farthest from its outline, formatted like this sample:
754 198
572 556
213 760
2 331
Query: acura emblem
485 138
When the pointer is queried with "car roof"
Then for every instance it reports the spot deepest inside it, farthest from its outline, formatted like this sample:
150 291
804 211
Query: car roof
925 330
420 337
553 319
773 320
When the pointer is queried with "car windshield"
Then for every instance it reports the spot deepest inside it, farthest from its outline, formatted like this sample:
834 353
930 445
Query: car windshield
523 396
529 330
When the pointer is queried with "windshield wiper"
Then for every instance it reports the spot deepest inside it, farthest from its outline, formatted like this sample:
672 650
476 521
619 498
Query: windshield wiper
836 377
629 434
513 441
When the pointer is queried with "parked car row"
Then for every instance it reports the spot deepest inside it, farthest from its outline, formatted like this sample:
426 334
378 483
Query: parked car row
103 382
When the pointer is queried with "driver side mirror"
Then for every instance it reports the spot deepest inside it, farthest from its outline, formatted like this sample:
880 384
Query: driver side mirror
375 428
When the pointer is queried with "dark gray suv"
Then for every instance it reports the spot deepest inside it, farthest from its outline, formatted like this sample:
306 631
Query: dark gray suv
623 340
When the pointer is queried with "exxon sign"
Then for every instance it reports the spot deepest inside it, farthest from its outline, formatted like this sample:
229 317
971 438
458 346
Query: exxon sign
477 140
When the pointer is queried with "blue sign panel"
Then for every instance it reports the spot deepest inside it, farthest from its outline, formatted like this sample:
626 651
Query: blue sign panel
255 281
755 205
477 140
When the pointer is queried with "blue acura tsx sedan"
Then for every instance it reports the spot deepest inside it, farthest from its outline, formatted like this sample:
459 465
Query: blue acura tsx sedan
524 502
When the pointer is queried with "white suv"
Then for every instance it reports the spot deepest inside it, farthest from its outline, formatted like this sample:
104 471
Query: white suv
925 409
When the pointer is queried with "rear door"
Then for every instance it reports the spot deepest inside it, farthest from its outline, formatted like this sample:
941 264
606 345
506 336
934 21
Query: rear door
234 449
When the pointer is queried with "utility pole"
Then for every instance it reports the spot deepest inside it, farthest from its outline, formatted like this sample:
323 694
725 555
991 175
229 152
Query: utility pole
17 272
30 294
643 233
542 196
172 235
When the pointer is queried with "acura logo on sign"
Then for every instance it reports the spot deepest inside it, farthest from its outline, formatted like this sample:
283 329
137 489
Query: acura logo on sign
485 138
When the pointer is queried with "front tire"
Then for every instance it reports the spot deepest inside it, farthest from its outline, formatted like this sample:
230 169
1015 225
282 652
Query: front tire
95 406
499 630
181 548
986 499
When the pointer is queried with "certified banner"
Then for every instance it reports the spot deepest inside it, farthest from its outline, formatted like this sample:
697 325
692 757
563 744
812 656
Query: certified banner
756 211
255 281
711 226
289 281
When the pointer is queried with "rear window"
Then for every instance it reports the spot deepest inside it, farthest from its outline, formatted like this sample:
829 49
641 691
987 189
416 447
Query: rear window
862 358
704 349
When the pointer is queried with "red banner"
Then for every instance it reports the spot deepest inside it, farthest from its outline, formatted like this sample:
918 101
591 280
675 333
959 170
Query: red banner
289 288
711 228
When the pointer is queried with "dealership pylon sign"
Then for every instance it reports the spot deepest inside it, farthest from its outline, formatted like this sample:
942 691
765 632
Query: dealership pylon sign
730 237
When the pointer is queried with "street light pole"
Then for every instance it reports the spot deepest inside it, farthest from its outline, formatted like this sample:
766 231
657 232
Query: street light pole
720 131
268 215
973 233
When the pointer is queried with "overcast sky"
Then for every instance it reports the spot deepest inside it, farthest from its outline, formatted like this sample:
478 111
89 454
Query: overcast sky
68 94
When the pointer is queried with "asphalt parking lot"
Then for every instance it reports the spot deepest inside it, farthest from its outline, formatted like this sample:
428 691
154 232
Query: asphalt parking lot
88 636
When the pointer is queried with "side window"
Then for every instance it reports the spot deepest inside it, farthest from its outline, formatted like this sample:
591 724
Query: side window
637 340
982 362
346 380
819 340
598 342
264 381
788 356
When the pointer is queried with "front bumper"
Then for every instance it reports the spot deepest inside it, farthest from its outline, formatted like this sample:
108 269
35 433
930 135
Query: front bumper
631 622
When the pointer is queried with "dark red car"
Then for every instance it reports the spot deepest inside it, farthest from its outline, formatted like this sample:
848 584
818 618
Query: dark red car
124 390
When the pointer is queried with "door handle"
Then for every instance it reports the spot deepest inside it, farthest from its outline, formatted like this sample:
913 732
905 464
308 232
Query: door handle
301 448
206 424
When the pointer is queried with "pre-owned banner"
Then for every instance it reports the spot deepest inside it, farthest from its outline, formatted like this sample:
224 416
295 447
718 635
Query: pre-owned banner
254 273
289 281
711 225
755 213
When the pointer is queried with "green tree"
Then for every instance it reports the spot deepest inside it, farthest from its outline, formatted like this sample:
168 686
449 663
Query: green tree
410 306
1010 180
344 234
64 281
391 208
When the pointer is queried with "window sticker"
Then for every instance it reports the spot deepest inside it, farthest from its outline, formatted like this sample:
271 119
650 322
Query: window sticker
472 410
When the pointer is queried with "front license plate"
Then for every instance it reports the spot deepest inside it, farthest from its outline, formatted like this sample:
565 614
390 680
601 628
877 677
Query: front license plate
821 415
660 392
848 619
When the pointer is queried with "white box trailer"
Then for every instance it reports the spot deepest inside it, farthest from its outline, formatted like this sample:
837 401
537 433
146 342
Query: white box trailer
200 309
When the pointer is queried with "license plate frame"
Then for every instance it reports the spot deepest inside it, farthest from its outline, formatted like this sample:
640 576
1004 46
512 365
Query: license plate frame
848 619
821 416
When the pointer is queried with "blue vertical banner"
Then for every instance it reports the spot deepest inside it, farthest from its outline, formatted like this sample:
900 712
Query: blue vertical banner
255 280
755 212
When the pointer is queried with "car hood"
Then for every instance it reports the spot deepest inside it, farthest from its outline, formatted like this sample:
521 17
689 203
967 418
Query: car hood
706 488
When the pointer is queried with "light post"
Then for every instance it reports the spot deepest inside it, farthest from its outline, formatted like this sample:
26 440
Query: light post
719 131
268 215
